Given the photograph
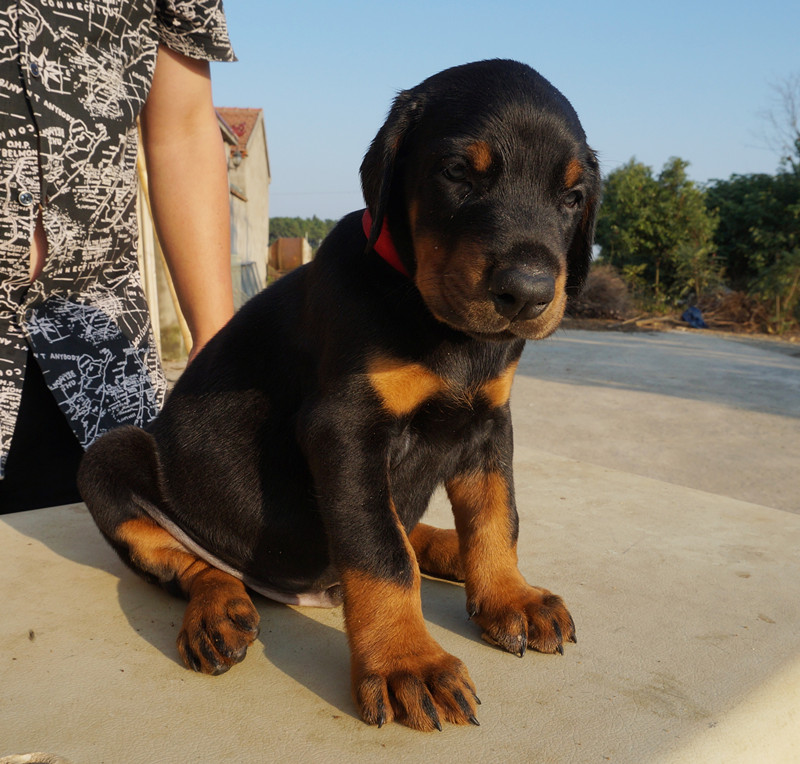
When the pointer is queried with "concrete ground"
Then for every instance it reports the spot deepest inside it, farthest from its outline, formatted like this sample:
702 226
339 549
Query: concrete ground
701 410
658 482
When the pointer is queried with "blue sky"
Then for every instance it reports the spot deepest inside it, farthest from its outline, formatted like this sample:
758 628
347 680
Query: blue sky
650 80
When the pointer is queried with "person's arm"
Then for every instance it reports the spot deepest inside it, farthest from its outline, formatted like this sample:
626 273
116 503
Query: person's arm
188 183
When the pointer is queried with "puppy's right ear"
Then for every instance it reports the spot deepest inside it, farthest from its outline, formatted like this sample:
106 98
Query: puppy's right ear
380 161
579 255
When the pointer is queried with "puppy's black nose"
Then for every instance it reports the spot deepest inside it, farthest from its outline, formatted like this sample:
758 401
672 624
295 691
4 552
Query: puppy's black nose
519 294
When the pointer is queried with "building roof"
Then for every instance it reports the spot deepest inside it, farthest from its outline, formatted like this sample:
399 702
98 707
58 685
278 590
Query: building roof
227 132
242 122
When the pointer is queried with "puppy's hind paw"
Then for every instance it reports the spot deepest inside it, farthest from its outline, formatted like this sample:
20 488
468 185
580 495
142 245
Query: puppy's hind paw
219 625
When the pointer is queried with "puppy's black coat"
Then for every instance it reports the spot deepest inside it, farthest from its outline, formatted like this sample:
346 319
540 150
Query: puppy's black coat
299 450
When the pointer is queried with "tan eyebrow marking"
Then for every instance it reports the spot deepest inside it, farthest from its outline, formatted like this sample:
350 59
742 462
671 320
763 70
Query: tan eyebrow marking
481 155
573 173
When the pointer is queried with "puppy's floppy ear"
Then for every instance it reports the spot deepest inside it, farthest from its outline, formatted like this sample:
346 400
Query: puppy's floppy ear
579 255
380 161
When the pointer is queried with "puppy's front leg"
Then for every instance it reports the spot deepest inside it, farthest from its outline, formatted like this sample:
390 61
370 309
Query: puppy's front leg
512 613
398 671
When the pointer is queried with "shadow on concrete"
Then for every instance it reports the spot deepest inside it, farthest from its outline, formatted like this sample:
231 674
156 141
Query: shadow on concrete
702 367
314 654
68 539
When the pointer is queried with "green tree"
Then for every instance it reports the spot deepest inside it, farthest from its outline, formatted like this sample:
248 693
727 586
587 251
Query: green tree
625 224
658 231
759 239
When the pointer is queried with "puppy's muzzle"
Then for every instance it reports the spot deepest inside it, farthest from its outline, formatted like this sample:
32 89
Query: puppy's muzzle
519 294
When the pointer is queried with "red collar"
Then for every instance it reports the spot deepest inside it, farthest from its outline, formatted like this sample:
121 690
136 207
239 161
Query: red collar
384 246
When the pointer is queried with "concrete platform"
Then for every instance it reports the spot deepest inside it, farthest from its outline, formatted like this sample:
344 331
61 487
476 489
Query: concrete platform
658 479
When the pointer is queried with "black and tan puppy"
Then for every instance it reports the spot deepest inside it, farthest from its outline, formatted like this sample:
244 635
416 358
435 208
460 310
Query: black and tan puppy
299 451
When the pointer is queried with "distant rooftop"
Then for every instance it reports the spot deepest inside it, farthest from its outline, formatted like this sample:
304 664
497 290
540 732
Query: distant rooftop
242 122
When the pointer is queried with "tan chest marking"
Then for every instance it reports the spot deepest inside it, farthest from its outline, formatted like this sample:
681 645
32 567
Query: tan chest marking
498 390
403 387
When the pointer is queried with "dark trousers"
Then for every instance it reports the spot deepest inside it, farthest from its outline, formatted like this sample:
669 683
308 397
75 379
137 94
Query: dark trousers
43 461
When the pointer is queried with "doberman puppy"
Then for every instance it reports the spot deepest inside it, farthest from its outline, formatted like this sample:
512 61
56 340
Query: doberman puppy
299 450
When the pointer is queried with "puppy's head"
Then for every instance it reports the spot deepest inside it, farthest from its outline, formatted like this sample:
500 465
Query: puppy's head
490 193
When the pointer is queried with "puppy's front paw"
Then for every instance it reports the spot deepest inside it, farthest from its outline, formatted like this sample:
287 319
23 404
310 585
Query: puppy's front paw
219 625
523 616
418 690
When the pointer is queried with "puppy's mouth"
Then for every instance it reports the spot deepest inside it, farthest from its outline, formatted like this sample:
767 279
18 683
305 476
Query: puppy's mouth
516 301
481 318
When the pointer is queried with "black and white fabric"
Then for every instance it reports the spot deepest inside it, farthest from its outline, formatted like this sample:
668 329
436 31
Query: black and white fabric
74 75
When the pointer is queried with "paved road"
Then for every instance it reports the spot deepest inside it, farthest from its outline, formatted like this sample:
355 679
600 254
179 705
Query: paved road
697 409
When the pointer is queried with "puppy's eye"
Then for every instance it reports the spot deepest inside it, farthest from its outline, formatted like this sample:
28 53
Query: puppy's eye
573 199
456 171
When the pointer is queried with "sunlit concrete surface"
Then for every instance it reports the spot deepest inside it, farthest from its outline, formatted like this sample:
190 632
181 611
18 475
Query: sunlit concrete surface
657 483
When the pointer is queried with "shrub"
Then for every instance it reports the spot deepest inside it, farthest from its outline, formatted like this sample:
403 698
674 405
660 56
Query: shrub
734 311
605 295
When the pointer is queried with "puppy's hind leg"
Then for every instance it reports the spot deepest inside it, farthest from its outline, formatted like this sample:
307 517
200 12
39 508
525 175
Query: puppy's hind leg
437 552
118 476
